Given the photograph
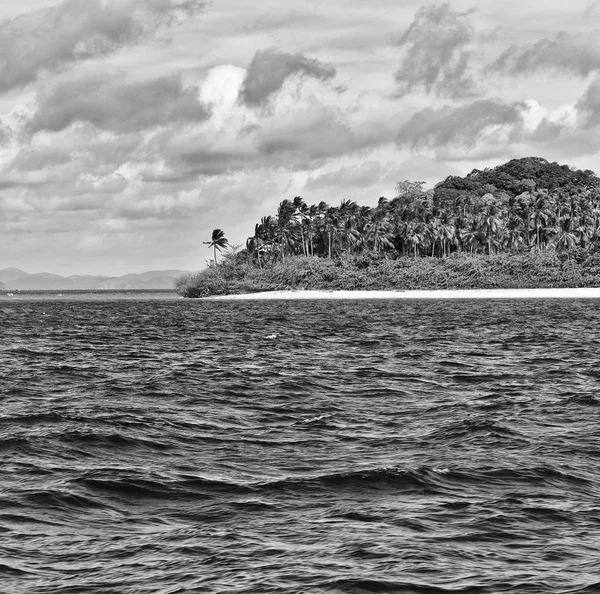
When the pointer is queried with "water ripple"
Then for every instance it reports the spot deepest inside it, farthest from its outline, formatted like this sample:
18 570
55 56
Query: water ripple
389 446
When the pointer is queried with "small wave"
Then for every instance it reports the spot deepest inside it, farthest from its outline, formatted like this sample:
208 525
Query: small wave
362 584
582 399
9 569
21 350
478 378
515 476
182 488
128 487
55 499
471 427
377 478
112 440
13 443
357 516
33 419
319 420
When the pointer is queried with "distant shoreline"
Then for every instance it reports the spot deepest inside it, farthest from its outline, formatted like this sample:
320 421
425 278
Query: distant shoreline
559 293
80 291
7 296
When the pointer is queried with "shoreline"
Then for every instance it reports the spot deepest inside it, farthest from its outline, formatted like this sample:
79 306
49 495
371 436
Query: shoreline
560 293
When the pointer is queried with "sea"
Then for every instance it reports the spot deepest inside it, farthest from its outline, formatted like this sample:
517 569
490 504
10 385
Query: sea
152 444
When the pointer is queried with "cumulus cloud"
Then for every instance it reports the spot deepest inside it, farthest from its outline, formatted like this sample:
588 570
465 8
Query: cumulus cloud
459 126
591 5
111 102
52 38
39 158
588 106
436 53
564 52
270 68
292 137
6 133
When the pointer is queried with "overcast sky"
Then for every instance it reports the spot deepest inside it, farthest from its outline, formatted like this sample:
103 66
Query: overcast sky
129 129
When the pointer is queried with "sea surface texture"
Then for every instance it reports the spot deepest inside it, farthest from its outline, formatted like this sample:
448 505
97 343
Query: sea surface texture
171 446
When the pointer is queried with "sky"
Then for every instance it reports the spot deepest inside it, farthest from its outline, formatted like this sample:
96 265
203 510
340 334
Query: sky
129 129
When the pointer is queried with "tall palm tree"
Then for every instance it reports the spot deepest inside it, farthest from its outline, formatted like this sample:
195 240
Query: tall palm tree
566 238
217 241
262 238
286 217
301 214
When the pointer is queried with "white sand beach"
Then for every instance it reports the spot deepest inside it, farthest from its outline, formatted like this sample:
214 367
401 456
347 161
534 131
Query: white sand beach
579 293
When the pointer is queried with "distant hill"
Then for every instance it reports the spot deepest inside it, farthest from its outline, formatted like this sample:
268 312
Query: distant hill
15 279
9 274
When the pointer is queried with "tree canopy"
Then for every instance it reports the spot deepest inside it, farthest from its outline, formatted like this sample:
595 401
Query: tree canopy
523 205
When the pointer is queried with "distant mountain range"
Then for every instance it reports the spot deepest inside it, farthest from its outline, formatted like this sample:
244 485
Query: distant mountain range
14 279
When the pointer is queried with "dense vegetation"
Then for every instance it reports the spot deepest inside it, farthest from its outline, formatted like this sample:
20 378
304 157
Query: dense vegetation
527 223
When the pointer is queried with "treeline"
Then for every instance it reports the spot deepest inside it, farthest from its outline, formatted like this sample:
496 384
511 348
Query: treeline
525 224
523 204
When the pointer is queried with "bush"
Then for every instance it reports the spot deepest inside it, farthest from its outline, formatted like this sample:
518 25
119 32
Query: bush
373 272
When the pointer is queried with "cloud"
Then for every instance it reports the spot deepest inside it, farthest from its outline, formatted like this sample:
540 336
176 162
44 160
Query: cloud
459 126
52 38
588 106
363 175
111 102
574 54
270 68
380 178
39 158
6 133
436 54
591 5
293 136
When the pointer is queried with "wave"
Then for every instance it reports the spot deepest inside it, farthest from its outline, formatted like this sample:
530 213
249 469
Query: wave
471 427
55 499
13 443
582 399
360 585
113 441
371 479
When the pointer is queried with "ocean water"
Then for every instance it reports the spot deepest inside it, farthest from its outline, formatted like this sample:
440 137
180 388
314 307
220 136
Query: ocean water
171 446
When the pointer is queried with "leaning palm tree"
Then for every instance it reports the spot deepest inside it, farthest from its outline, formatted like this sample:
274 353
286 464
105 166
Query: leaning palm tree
217 241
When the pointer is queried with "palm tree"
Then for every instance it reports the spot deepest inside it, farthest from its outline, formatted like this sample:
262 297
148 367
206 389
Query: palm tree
286 217
217 241
490 226
566 238
262 238
302 216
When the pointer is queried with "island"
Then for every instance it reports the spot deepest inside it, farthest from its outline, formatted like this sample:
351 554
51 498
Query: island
527 224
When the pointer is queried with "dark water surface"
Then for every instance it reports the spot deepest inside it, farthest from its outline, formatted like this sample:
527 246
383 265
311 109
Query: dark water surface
369 446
